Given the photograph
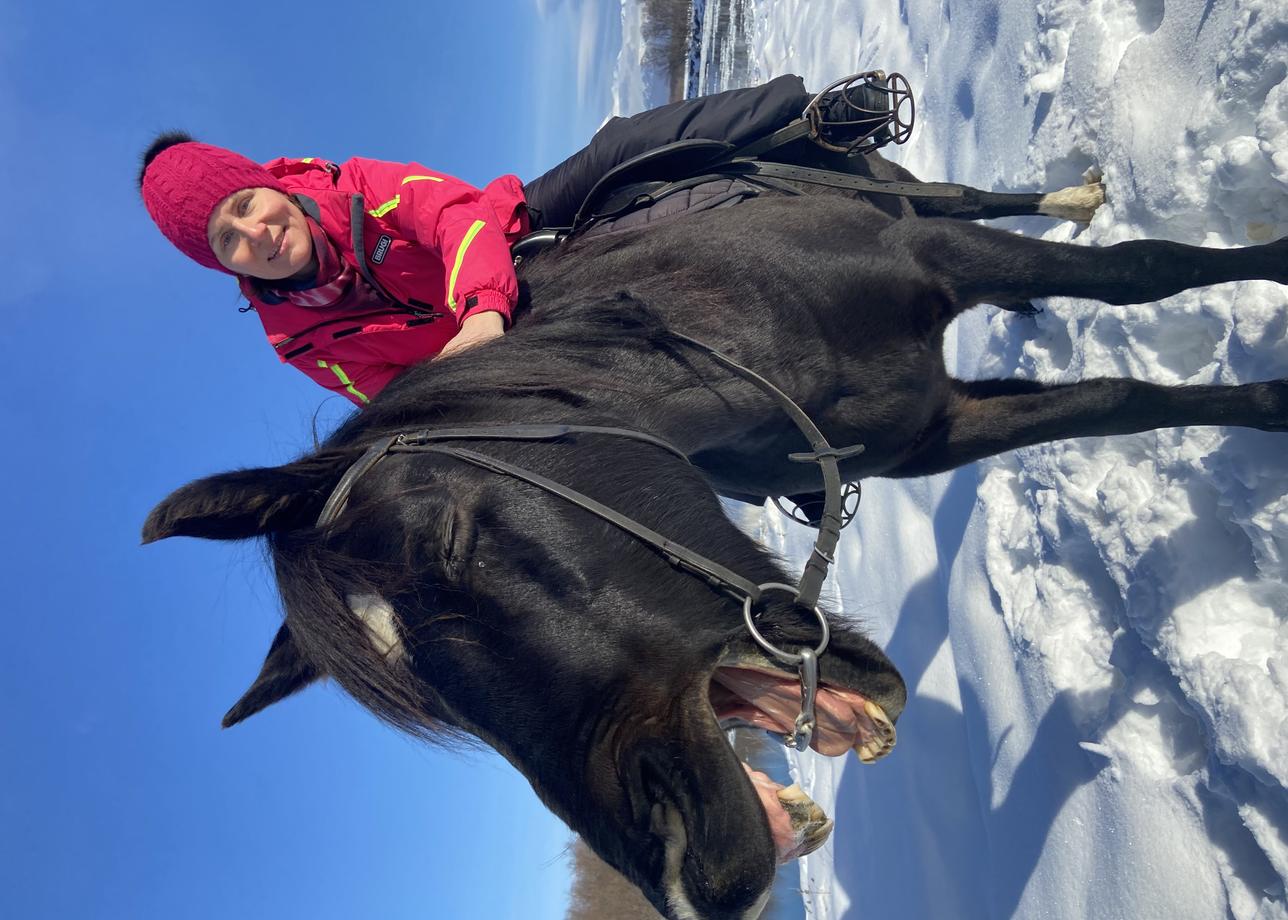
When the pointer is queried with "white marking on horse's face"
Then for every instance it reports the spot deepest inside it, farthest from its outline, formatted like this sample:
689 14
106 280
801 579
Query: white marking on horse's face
378 615
759 907
669 825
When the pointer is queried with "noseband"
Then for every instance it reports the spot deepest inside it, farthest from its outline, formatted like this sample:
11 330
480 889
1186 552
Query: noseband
719 577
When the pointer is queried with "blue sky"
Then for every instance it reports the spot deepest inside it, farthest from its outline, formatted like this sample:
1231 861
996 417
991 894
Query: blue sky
130 372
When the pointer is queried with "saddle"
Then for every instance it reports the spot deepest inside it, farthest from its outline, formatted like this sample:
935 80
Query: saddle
632 184
863 111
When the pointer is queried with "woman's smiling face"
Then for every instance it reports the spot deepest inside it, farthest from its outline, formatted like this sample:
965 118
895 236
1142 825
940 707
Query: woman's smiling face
261 233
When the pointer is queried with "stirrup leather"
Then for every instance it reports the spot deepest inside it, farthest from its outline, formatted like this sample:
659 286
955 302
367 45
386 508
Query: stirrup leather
862 112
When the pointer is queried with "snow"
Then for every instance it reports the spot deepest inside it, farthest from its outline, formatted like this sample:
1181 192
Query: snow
1093 631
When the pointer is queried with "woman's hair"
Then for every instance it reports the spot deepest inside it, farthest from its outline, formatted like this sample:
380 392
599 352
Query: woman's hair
163 141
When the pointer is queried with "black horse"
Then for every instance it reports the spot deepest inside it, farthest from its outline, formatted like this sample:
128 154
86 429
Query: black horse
453 600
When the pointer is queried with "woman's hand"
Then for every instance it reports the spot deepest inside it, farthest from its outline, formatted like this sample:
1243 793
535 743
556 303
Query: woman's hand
477 329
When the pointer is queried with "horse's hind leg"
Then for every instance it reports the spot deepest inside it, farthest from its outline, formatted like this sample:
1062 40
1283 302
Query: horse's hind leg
987 417
1077 202
977 264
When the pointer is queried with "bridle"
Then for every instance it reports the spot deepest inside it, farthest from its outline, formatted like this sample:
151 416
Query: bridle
719 577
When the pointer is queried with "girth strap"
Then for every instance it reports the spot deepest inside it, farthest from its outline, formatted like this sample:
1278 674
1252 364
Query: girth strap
827 177
769 174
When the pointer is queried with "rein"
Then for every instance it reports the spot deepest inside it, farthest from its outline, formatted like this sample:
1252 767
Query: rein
682 558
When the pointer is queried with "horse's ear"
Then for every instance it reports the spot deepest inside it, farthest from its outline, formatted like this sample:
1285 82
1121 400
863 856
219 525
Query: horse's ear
246 503
285 671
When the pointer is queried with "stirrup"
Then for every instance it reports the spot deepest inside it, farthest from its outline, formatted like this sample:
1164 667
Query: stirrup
862 112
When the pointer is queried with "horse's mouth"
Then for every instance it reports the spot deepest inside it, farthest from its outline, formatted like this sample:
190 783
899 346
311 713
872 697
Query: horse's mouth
754 697
743 696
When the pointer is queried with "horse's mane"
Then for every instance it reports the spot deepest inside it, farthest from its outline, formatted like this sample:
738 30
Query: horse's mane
556 355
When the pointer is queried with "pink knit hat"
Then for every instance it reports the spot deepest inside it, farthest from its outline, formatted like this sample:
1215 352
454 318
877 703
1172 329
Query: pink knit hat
183 185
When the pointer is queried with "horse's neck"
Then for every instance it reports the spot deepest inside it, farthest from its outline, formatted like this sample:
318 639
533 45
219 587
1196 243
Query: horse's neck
683 396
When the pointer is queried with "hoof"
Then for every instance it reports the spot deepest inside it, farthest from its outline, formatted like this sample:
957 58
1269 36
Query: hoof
1078 202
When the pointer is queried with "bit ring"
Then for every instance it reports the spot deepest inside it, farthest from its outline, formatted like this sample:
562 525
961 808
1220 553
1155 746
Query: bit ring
792 658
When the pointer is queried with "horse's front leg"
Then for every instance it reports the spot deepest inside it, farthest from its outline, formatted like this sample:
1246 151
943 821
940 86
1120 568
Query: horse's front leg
977 264
987 417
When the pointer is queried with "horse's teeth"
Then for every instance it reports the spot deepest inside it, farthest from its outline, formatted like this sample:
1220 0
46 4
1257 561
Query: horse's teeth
792 793
799 807
811 823
816 837
874 749
885 728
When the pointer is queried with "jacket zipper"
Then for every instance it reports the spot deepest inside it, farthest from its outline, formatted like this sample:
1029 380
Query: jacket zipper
351 317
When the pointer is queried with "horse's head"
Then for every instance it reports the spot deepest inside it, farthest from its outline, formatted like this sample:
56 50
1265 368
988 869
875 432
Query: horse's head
446 596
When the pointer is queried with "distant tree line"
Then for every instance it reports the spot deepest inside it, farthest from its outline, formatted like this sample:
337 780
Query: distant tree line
666 37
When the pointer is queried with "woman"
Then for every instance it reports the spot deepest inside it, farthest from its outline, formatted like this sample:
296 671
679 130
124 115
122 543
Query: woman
361 269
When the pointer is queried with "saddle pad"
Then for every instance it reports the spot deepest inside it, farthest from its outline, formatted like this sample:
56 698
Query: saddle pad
717 193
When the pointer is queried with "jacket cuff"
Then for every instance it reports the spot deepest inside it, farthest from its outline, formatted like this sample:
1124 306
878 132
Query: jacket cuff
483 302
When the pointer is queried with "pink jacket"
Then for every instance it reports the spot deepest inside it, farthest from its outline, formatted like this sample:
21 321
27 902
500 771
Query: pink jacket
438 247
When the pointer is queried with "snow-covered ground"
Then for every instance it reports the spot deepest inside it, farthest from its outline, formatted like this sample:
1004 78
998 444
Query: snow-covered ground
1093 631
